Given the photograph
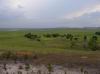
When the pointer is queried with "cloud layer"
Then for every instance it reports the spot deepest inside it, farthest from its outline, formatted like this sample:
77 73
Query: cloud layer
49 13
82 12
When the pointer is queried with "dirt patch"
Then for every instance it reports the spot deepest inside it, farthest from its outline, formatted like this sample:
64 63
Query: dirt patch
23 53
90 59
75 59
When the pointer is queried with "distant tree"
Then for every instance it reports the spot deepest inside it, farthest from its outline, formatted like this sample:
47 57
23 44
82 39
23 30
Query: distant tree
72 43
76 38
85 42
55 35
69 36
97 33
95 38
63 35
33 36
38 40
47 35
28 35
93 43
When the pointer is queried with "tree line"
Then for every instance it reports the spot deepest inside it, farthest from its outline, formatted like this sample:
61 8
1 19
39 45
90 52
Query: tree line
88 42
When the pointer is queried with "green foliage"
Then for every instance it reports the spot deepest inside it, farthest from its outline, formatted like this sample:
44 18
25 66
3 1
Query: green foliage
85 38
97 33
31 36
93 43
54 35
73 42
7 55
28 35
49 67
69 36
47 35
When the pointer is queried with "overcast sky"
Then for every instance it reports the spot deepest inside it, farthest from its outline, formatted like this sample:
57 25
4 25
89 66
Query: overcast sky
49 13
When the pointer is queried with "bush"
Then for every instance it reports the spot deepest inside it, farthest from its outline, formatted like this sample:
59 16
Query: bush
55 35
28 35
50 68
93 43
7 55
47 35
32 36
97 33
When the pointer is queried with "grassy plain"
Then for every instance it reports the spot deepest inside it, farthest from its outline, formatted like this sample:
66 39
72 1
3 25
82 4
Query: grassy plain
53 50
15 40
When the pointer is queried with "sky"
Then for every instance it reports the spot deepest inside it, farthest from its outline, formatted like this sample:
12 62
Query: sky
49 13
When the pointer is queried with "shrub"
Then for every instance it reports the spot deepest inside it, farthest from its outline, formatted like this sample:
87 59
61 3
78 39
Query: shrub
7 55
32 36
97 33
47 35
55 35
93 43
28 35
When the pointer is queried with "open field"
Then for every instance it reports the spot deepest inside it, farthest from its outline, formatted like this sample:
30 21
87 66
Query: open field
15 40
51 50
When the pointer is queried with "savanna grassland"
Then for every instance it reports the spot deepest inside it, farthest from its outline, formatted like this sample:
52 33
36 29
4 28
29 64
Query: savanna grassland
15 40
50 49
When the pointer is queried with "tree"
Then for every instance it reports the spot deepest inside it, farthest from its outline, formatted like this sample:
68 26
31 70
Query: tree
71 37
33 37
93 43
72 40
68 36
97 33
55 35
85 42
47 35
28 35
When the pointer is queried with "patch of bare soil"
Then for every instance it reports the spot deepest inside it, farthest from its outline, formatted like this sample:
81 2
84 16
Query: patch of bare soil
75 59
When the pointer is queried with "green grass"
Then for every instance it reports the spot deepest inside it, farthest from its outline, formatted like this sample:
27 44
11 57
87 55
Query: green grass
15 41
